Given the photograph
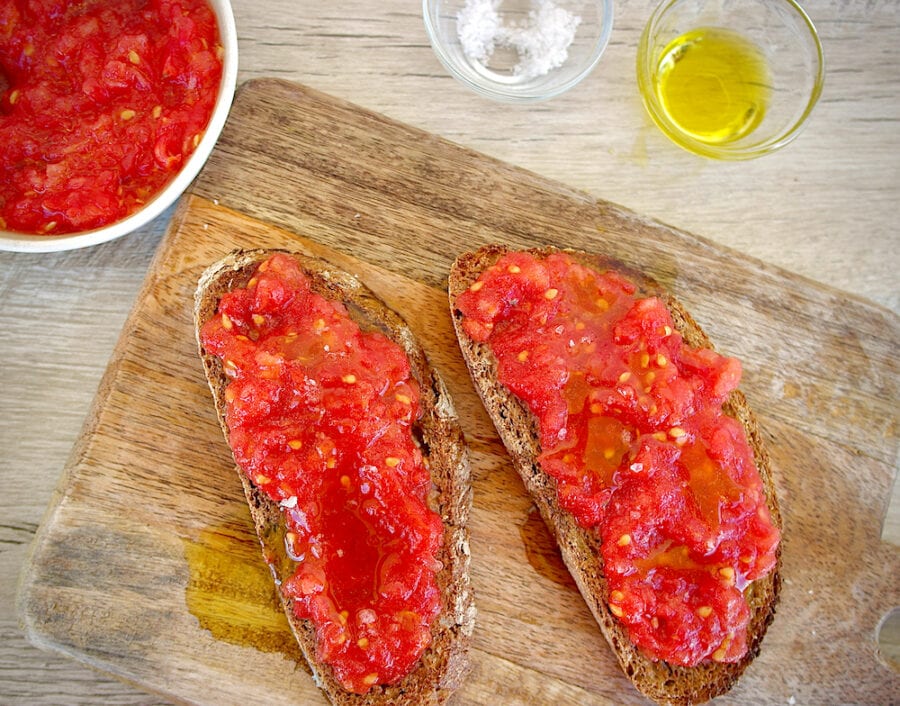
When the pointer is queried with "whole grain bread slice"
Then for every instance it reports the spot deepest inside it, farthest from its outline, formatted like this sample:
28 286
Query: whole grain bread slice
580 548
442 667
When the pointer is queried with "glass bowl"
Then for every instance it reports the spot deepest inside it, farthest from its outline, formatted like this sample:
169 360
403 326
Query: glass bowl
516 66
21 242
722 43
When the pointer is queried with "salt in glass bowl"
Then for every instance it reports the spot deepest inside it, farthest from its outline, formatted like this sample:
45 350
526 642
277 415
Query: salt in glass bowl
23 242
497 76
788 43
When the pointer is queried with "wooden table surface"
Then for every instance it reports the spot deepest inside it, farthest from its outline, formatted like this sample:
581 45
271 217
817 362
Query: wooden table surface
824 207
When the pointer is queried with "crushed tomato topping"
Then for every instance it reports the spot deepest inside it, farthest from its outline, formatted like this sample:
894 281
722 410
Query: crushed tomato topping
320 415
101 103
632 429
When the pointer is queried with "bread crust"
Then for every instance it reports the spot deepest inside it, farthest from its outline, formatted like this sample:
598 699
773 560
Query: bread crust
444 663
580 548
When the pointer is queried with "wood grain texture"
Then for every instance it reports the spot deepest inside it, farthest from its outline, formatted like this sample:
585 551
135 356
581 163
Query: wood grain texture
146 528
819 208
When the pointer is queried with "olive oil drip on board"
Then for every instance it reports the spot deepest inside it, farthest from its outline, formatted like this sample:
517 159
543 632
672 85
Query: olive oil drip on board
231 592
714 84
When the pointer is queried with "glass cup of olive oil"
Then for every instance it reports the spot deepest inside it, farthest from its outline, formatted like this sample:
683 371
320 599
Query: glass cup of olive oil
730 79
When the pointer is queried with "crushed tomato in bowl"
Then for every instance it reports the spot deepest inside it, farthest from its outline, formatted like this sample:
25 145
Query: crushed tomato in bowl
101 104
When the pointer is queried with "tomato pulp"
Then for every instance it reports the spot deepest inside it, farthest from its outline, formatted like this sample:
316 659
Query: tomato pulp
320 415
632 429
101 105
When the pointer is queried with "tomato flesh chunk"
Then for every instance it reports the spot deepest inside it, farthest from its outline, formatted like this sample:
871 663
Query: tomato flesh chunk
632 429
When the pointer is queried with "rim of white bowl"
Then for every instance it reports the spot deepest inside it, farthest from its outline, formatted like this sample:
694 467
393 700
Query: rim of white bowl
21 242
511 95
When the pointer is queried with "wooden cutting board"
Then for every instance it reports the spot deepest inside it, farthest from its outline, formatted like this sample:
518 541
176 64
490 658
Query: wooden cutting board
147 567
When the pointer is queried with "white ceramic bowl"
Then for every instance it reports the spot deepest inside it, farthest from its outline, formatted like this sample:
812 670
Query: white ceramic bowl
19 242
497 76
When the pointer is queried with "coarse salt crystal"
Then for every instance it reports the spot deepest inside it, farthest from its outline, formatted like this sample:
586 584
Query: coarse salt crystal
478 25
366 616
541 42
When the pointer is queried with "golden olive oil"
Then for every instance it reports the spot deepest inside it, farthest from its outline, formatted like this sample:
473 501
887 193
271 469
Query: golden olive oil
714 84
231 593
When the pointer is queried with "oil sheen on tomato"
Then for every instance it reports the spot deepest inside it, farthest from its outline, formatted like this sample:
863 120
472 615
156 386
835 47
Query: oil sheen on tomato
632 429
713 84
320 415
101 104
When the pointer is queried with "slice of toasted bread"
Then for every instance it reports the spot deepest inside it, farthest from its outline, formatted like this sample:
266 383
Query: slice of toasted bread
442 666
580 548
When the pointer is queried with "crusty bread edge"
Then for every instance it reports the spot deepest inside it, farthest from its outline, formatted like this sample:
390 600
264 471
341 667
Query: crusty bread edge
517 428
444 664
